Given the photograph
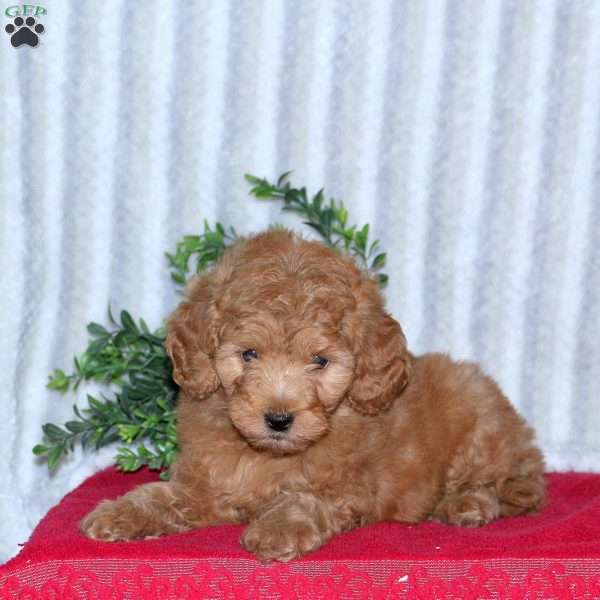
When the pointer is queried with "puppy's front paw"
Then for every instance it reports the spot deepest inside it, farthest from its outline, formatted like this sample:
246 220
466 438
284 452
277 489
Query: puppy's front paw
113 521
271 541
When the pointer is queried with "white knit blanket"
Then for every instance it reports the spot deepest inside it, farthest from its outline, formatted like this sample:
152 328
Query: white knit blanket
465 132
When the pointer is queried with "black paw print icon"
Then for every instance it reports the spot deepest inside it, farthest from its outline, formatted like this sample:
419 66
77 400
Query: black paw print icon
24 32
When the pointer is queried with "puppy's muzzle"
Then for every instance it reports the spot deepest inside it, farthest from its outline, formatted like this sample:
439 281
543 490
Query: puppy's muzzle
279 421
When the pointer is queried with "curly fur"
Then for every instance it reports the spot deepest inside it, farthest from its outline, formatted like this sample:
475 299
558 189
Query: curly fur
377 434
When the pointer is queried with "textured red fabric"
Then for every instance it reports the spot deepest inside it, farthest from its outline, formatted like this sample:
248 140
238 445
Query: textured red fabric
559 549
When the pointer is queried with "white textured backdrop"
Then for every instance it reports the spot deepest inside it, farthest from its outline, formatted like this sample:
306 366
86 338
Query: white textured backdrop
466 132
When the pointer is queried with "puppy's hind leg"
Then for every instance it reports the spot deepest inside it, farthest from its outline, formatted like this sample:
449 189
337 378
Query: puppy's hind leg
472 507
479 504
521 495
488 479
150 510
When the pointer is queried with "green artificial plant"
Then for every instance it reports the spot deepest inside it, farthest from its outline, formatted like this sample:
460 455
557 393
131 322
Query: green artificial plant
130 359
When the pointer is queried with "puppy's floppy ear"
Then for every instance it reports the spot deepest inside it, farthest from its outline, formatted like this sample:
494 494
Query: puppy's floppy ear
382 361
192 340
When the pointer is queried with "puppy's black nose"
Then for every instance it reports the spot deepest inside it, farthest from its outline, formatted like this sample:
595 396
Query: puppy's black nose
279 421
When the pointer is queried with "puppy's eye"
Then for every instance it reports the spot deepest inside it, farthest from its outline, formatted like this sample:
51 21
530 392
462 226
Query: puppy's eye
249 355
320 361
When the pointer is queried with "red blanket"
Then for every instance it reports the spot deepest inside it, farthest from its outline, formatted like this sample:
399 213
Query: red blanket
555 554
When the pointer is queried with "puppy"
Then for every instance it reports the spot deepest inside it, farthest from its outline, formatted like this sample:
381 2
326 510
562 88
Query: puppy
302 413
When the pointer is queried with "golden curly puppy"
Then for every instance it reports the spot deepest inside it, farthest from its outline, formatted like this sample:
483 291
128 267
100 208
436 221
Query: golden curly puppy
303 414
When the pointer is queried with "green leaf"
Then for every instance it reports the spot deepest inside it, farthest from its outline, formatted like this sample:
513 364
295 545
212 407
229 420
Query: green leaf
128 322
318 201
97 346
349 233
129 432
54 455
373 246
252 179
378 261
360 239
128 460
40 450
75 426
283 178
316 226
178 278
96 405
97 330
54 433
262 191
58 381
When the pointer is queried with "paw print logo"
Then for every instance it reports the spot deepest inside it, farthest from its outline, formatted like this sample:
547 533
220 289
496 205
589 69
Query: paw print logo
24 32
